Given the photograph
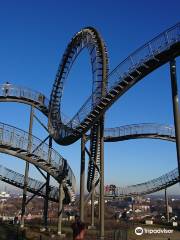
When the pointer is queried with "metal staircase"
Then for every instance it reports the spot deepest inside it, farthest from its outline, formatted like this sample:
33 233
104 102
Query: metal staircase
14 141
34 186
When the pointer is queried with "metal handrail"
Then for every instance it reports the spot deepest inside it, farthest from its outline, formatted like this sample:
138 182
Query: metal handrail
150 186
139 129
10 90
14 91
33 184
18 138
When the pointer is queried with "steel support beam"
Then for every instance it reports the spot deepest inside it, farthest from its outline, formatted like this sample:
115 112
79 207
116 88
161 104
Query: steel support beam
42 124
41 172
40 144
27 168
101 129
60 209
82 177
175 101
167 205
47 188
35 194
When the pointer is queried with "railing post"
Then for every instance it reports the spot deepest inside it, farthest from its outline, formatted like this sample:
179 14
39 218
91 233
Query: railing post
46 199
167 38
82 177
175 101
27 168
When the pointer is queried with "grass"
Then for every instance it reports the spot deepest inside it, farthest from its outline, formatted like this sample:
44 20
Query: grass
10 232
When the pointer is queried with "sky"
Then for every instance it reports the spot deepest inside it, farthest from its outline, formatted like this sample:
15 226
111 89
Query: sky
34 35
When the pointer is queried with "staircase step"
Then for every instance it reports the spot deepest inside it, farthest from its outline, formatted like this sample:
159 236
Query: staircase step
40 160
21 151
82 126
92 115
89 119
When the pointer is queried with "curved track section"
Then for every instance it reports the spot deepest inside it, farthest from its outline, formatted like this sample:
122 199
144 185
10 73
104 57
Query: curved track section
151 186
34 186
135 131
13 93
14 141
39 101
145 130
17 180
19 94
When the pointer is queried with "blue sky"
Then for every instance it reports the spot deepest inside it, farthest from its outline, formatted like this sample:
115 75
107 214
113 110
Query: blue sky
34 35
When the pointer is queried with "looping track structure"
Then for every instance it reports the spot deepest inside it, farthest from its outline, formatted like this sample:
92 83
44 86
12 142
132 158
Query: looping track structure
87 38
106 89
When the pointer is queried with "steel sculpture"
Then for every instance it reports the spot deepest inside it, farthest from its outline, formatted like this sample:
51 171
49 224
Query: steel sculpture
105 91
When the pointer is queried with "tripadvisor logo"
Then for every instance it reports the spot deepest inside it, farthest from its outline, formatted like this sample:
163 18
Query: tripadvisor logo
139 231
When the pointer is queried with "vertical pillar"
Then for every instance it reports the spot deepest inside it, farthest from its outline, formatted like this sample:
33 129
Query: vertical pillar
101 177
47 188
92 208
175 108
60 209
167 205
27 168
82 177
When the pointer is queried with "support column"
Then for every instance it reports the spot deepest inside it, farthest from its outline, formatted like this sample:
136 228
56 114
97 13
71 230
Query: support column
167 205
92 208
27 168
82 177
102 178
46 201
175 108
60 209
99 208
